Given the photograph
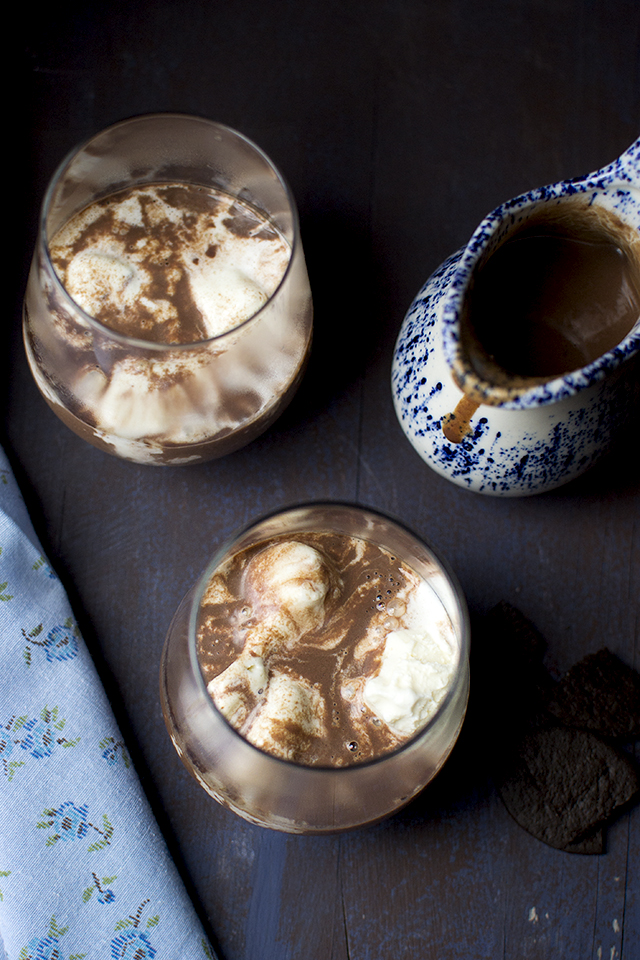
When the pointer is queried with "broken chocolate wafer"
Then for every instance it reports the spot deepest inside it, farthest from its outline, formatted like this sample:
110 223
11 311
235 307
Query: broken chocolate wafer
507 667
599 693
562 784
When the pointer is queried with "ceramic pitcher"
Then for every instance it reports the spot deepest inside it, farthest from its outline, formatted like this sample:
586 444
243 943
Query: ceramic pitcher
506 435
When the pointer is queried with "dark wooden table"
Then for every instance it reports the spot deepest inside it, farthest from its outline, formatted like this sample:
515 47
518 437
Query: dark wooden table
399 125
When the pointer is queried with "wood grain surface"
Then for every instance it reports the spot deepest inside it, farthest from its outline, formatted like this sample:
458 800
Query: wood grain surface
399 124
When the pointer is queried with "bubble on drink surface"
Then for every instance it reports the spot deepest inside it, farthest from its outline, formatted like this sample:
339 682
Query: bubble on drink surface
396 608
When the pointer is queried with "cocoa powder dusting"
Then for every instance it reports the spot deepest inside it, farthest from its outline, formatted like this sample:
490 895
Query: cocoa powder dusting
131 261
336 658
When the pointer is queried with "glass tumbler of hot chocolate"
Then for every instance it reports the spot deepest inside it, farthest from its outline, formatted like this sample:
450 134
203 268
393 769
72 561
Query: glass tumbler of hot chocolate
168 313
316 677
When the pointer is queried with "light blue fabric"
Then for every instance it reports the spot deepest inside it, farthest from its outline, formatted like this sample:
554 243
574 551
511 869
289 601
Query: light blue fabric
84 871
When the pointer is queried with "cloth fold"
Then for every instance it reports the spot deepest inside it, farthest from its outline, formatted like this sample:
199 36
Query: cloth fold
84 870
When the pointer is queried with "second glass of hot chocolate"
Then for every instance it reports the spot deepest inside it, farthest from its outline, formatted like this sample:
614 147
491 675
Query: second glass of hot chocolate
316 677
168 313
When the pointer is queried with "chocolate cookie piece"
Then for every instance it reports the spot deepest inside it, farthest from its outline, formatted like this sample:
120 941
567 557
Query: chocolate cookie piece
509 676
515 635
562 784
599 693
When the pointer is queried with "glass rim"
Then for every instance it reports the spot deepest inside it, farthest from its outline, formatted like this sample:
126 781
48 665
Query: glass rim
162 349
463 649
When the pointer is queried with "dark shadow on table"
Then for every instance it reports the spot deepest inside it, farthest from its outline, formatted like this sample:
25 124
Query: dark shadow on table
465 779
350 329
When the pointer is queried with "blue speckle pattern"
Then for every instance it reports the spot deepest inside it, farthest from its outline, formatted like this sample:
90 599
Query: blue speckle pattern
537 438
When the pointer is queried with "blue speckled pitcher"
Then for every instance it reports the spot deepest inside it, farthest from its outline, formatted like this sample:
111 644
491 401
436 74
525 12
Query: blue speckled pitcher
518 438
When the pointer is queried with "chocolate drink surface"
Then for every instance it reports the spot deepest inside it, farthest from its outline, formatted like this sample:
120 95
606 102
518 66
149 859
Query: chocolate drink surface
324 649
546 303
171 263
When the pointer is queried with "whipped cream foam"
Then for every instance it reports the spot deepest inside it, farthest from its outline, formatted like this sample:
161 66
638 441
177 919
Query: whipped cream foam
325 649
415 673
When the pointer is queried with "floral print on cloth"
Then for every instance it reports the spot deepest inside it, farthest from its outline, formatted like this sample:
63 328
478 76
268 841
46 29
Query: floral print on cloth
84 871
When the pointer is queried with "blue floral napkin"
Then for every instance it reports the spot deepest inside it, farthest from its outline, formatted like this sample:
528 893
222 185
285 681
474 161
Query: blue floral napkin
84 871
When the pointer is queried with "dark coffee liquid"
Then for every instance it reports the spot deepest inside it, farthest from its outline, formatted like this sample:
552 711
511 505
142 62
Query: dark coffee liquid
545 304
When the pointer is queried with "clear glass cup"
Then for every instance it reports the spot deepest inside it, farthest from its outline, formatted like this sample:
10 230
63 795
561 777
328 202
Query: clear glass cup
153 402
285 795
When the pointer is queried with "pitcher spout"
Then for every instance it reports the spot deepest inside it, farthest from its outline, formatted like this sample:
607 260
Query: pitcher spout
545 298
624 171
